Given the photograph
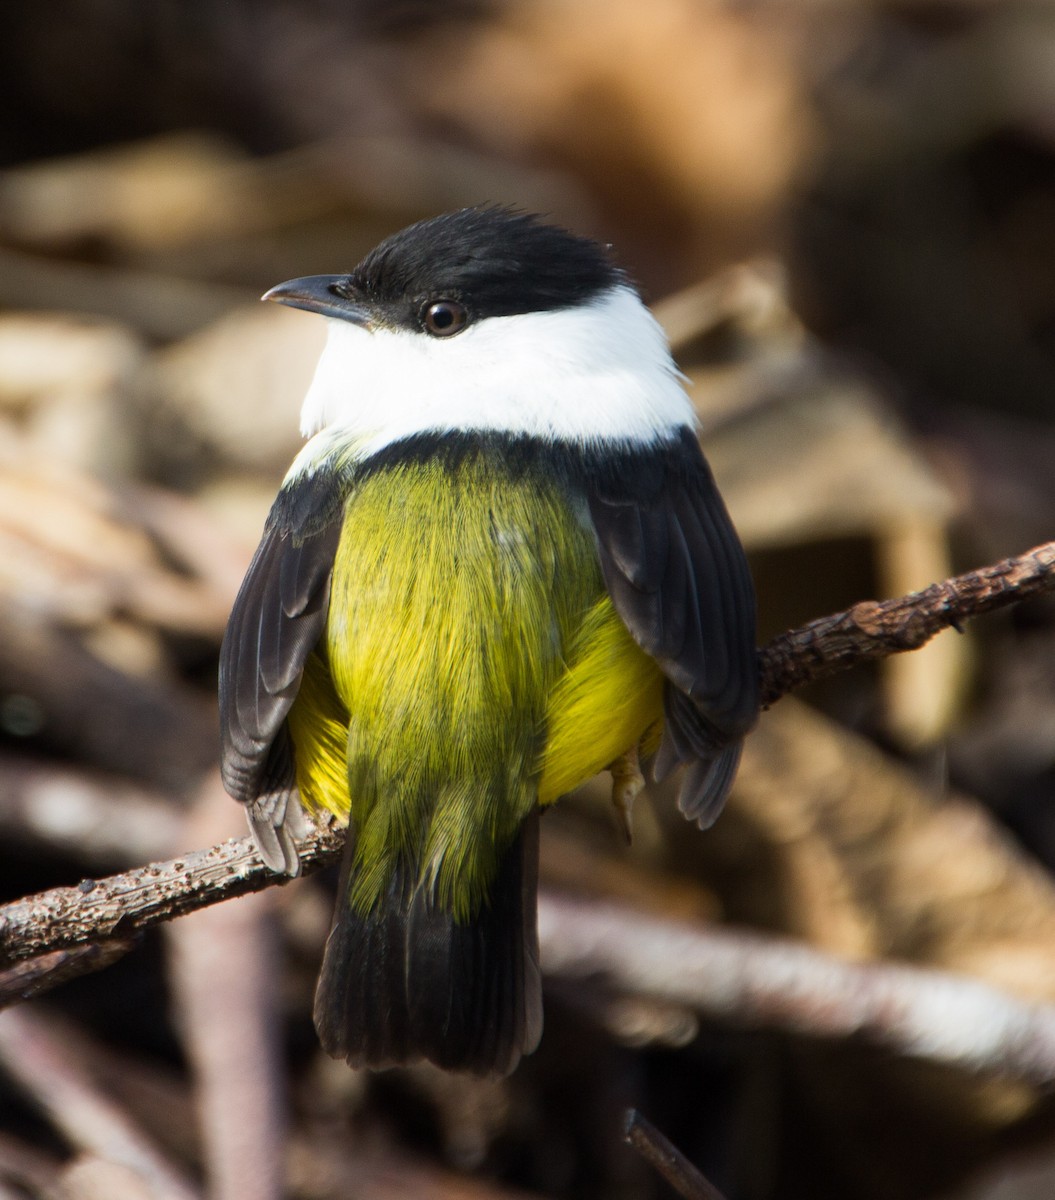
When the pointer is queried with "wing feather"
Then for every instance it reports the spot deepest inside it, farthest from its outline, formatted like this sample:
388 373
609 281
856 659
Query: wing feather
678 577
277 620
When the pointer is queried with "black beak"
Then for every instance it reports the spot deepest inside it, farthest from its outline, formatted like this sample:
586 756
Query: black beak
320 294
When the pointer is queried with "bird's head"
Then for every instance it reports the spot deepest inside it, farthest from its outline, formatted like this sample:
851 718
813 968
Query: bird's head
486 319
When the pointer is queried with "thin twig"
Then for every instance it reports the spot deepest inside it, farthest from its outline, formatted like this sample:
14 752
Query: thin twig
877 629
33 976
668 1160
140 899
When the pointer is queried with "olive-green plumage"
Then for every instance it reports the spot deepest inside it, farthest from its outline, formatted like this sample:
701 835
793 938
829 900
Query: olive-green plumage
472 668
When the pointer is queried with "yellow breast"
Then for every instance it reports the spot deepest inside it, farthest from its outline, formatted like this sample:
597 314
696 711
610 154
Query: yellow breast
473 667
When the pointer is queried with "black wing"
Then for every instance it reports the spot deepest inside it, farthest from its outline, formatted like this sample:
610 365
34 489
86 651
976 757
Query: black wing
678 577
277 620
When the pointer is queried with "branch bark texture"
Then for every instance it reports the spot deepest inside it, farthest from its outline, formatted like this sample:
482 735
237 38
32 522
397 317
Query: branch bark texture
123 904
667 1159
876 629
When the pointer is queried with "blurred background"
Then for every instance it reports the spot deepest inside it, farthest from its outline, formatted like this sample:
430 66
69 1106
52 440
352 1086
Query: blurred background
844 213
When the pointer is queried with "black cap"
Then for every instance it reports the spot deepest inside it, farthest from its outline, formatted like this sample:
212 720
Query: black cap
495 262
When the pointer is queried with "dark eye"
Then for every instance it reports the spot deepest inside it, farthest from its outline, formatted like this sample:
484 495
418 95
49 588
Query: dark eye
444 318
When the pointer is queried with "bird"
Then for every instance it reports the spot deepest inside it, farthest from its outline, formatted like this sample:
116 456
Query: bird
498 565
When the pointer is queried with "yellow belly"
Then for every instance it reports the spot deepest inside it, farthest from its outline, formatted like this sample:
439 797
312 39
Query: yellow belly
608 694
473 667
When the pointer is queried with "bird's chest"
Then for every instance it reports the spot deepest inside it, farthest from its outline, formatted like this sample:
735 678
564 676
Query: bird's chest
456 590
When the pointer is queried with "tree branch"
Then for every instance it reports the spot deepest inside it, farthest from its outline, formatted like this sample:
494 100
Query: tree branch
876 629
667 1159
32 975
97 910
118 906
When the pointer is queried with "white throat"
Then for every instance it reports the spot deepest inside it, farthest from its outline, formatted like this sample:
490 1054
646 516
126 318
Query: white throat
596 371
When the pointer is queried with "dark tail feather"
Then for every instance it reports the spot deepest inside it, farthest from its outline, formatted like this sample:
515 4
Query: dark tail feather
706 784
407 982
